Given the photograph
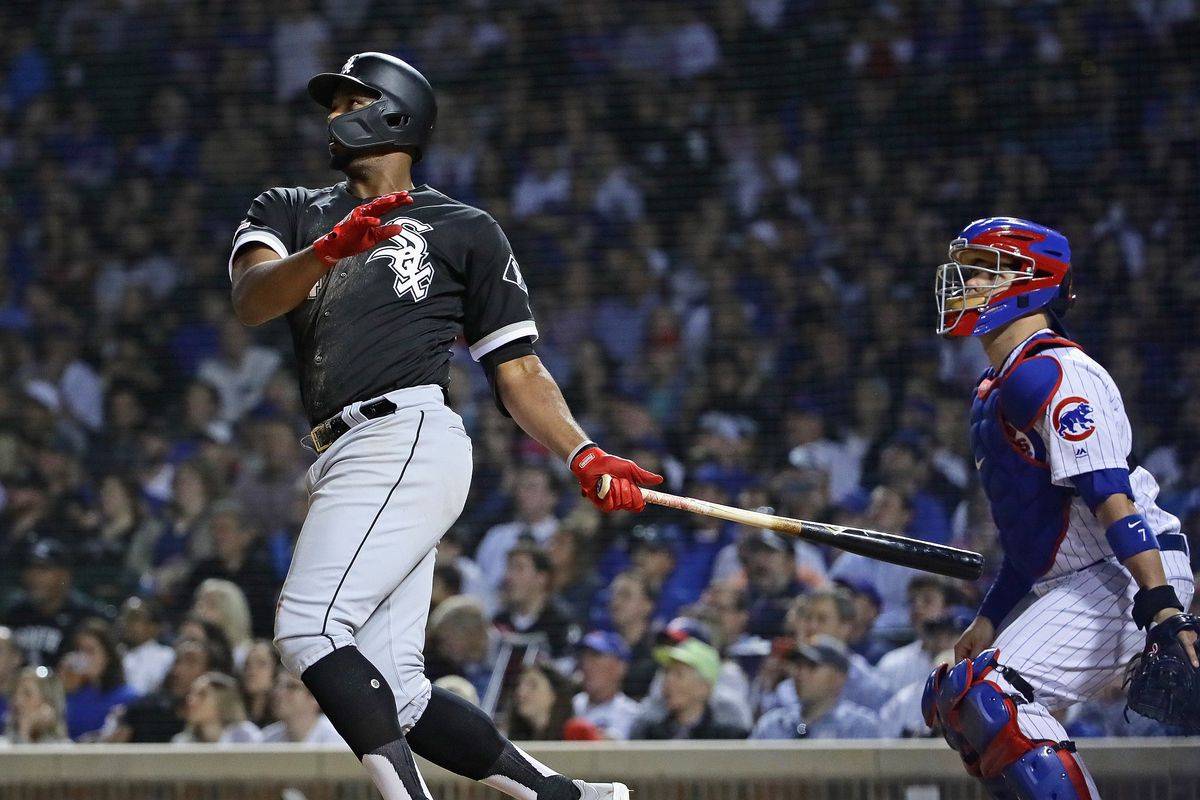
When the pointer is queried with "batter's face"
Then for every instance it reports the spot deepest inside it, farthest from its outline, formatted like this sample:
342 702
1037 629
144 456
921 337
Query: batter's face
347 98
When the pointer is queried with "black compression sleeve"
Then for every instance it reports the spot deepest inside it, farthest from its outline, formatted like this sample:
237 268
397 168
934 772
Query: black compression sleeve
518 348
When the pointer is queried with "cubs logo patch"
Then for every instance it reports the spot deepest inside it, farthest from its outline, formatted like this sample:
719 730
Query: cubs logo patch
407 255
1072 419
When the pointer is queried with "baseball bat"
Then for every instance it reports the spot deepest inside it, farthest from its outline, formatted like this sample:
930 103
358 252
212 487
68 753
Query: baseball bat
892 548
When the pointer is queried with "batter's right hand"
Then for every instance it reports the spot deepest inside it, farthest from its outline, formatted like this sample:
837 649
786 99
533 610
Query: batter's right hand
592 463
361 229
978 637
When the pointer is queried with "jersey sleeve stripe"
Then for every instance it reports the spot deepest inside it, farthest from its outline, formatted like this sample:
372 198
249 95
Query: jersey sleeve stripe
262 237
502 336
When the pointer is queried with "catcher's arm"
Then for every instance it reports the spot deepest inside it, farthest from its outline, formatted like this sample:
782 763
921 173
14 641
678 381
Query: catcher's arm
1155 601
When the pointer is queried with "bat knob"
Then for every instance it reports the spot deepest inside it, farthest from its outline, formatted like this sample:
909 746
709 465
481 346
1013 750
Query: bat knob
603 483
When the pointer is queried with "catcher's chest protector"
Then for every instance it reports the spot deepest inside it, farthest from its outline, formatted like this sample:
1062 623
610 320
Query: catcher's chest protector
1030 512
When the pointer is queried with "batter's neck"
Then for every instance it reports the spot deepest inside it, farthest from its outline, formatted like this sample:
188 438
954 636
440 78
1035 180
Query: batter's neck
999 345
375 176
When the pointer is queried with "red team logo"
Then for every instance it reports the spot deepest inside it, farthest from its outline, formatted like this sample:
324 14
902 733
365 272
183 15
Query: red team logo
1073 419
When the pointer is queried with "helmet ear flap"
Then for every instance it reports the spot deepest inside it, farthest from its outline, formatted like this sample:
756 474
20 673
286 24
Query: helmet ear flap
1066 293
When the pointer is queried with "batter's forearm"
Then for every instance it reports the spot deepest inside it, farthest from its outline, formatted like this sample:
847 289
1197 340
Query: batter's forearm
533 398
266 289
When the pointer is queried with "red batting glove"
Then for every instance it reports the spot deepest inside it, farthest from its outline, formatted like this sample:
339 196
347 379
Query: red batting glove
361 229
591 462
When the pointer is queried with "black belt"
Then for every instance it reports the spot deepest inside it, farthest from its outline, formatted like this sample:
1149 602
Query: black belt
326 433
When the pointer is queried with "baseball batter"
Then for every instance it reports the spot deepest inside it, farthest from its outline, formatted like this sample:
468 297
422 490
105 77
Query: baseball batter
1089 558
377 278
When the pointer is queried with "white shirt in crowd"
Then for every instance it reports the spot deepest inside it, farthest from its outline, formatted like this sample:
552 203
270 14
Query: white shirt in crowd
322 732
240 386
614 718
905 665
244 732
492 555
146 665
900 717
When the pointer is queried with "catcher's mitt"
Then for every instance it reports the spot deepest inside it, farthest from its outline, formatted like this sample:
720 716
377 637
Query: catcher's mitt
1161 680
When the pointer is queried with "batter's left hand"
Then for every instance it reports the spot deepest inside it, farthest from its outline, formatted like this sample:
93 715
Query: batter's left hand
591 463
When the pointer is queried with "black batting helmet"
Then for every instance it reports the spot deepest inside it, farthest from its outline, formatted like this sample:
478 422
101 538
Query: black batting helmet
403 116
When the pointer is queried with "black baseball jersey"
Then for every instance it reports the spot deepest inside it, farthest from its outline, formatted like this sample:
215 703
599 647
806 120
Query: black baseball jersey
386 319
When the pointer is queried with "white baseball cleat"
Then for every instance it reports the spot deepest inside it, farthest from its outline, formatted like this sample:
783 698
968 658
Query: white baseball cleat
602 791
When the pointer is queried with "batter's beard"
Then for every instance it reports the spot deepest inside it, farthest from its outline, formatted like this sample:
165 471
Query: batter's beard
339 157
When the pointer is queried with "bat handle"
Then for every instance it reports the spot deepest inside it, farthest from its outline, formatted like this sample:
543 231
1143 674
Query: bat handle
603 483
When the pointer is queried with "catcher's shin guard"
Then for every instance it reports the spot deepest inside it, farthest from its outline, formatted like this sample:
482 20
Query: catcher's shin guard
979 719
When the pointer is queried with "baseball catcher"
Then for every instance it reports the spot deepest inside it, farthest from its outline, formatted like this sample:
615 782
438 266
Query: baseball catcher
1090 560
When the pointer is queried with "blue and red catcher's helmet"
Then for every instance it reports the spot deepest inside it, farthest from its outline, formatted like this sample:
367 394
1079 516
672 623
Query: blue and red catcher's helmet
1041 278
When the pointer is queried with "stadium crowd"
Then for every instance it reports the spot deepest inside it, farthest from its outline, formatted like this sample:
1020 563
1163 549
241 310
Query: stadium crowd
729 215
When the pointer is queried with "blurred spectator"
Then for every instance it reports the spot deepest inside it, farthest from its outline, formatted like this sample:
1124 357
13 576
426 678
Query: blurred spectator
159 716
771 582
214 714
146 659
264 490
655 556
457 643
300 718
117 550
221 603
630 605
730 695
575 582
240 559
937 629
533 518
603 662
819 672
830 612
887 511
867 605
541 705
901 716
685 711
93 678
240 372
185 538
37 714
44 615
526 607
210 634
257 679
11 659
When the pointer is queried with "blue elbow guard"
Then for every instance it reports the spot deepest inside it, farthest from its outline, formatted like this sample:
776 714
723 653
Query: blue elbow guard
1130 535
1096 487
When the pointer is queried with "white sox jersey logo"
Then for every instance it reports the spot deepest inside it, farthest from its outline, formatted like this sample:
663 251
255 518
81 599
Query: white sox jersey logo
407 255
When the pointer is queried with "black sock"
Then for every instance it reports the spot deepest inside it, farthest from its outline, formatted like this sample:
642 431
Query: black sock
356 698
450 721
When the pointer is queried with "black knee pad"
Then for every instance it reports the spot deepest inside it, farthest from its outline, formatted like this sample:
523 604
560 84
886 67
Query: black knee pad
457 735
356 698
